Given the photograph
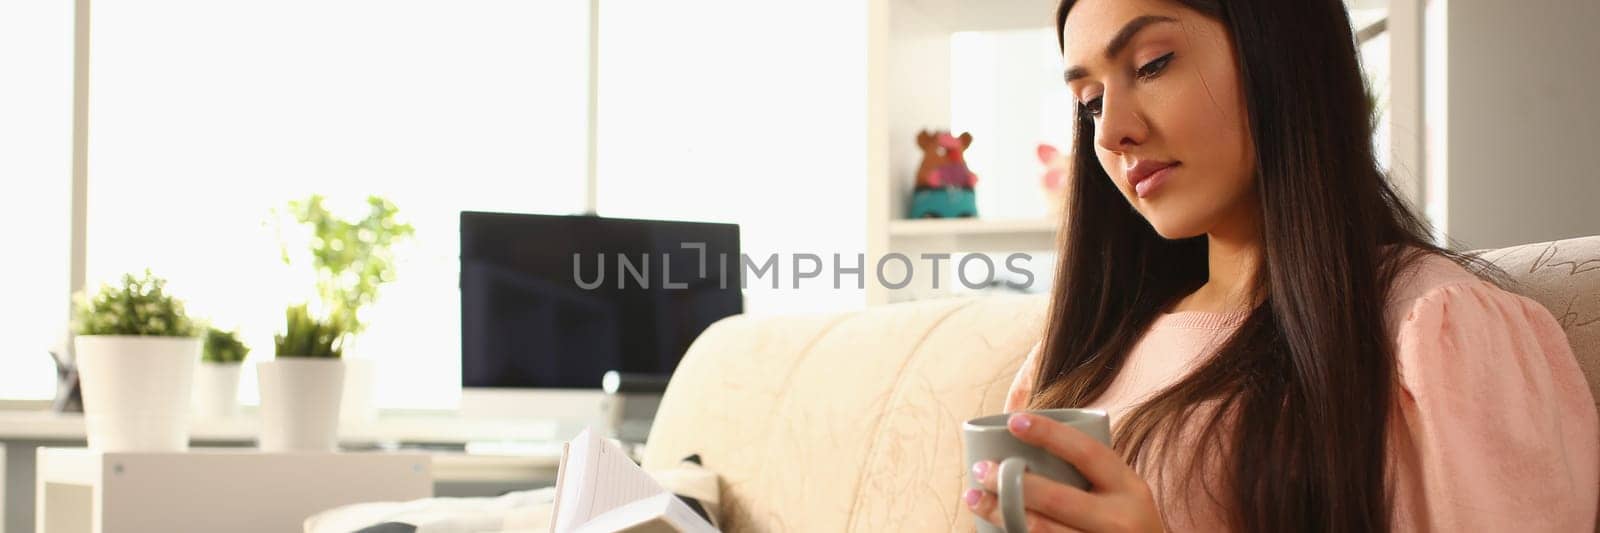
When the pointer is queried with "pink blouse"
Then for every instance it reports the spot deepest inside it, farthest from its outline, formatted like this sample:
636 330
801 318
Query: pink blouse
1495 428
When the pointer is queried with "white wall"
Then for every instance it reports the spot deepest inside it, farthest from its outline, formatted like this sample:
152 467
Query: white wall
1516 149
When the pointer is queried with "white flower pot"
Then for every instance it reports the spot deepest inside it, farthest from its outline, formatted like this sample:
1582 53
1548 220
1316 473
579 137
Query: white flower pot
358 379
300 399
216 390
136 391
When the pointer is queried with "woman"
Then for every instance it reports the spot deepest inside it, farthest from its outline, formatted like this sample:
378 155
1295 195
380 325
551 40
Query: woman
1279 346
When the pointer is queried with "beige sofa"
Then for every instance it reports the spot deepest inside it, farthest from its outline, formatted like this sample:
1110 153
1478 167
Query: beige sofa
851 422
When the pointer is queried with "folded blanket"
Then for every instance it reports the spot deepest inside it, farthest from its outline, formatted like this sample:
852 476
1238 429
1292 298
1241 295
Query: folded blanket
516 512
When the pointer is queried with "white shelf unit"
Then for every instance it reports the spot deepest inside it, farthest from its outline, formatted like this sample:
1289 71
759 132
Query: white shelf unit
80 490
973 235
908 89
906 229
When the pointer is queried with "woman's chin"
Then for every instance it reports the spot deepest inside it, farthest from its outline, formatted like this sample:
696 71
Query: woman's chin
1173 230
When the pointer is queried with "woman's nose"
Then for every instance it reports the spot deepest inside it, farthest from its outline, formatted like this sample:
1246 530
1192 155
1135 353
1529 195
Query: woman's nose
1122 123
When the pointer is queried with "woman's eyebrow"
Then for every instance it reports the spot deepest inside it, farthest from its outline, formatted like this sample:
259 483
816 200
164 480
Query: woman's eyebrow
1120 41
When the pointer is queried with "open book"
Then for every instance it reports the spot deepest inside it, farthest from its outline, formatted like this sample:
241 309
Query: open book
599 489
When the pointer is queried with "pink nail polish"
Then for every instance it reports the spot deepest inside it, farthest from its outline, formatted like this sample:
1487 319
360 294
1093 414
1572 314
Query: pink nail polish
972 497
979 469
1020 423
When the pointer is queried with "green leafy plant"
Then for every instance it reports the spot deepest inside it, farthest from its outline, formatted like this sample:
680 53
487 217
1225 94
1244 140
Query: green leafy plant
305 336
223 347
352 258
141 306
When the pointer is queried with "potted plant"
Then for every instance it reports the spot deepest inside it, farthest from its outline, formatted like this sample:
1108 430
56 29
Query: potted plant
301 387
216 381
352 258
136 351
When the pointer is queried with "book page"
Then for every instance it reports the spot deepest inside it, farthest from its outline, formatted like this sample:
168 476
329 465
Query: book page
685 519
598 477
660 513
571 475
561 475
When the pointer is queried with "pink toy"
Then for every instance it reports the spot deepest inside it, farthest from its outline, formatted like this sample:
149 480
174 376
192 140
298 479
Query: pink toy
1055 167
943 164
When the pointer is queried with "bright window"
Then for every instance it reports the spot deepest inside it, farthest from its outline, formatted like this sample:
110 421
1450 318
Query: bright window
1375 67
208 115
742 112
35 184
1006 90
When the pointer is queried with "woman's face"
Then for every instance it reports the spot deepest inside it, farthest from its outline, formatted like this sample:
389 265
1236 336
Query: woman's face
1162 86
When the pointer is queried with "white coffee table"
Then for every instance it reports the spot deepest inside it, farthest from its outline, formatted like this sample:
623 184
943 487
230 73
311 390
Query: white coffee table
219 489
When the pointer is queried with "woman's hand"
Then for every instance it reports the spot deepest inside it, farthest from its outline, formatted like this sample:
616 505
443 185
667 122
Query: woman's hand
1119 502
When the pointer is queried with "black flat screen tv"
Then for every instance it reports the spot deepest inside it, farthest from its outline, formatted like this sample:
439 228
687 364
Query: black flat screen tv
554 302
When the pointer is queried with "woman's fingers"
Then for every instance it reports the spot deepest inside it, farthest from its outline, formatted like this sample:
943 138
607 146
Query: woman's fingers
987 507
1059 502
1120 499
1097 462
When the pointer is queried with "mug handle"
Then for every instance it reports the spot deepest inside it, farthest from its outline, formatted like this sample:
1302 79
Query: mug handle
1009 481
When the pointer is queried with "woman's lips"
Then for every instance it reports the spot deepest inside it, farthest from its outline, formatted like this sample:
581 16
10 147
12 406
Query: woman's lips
1147 176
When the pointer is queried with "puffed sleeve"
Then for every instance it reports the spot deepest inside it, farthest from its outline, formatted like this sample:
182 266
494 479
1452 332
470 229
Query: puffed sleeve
1495 429
1022 384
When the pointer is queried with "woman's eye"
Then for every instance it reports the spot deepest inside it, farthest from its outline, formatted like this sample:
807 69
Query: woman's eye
1093 106
1155 66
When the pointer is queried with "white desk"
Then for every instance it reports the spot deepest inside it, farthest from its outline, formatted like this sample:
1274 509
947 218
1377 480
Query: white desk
24 432
476 468
244 491
418 426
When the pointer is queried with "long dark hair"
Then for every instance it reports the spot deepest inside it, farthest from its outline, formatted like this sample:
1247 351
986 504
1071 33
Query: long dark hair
1295 403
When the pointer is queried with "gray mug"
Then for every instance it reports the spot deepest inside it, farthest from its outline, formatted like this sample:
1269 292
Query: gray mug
987 439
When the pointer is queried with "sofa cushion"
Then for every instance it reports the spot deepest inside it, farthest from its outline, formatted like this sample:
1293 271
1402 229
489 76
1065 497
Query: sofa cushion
847 422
